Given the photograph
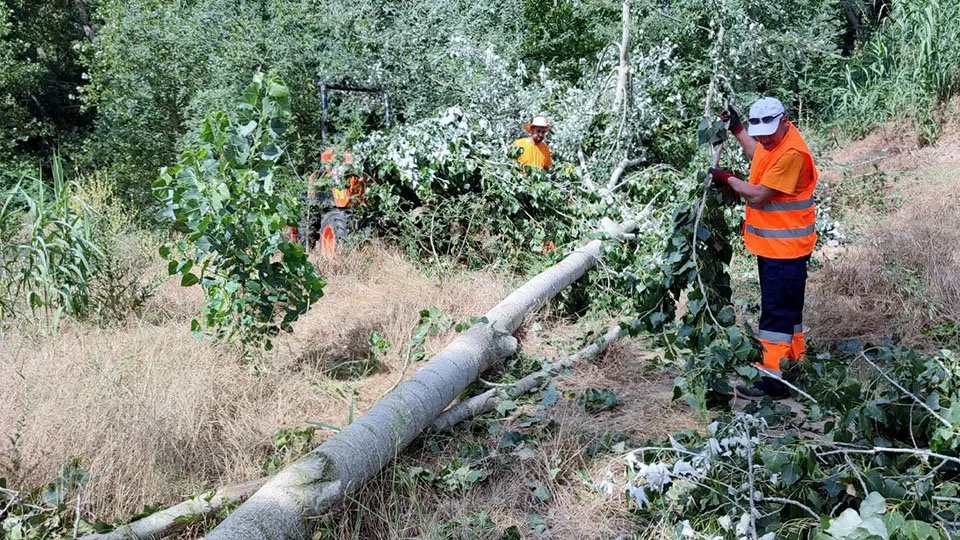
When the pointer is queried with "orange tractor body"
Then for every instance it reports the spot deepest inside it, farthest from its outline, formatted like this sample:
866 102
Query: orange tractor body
333 221
327 218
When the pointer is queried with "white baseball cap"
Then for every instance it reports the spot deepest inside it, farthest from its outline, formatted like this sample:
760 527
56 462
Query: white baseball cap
765 116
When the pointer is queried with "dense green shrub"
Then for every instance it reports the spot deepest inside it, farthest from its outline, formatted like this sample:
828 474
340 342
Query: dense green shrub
875 458
39 75
907 67
446 186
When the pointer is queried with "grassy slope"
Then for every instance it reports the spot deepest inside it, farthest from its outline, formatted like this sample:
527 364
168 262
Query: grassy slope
156 415
898 274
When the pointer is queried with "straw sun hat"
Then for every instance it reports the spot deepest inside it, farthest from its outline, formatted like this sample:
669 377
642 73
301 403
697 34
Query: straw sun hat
538 121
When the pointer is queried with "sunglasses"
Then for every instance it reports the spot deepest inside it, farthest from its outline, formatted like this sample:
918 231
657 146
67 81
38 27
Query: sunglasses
764 120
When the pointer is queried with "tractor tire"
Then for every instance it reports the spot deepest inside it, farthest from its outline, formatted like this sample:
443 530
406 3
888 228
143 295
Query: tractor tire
334 227
308 232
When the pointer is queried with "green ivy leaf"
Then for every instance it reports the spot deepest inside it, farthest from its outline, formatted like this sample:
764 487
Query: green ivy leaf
844 525
548 397
873 505
540 492
505 406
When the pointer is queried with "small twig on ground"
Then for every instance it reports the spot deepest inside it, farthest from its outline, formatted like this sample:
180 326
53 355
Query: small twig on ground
951 525
797 390
885 450
490 384
753 489
76 519
919 401
660 449
856 472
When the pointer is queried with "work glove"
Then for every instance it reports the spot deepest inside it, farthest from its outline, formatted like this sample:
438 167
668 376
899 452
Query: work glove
730 116
721 176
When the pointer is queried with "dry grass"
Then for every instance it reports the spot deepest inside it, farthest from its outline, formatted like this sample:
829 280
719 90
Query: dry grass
156 415
901 278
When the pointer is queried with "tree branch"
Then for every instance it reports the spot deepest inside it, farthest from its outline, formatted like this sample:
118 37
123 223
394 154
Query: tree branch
618 172
781 500
885 450
919 401
489 400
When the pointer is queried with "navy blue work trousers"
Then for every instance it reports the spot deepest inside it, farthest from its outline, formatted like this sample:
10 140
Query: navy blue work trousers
782 286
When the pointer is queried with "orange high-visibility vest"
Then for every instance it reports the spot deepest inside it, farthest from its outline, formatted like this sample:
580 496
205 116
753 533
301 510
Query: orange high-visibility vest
785 227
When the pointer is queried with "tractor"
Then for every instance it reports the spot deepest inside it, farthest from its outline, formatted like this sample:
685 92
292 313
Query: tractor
327 216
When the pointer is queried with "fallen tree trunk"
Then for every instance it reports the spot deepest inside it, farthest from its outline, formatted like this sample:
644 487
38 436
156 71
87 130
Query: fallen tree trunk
322 478
489 400
313 484
168 521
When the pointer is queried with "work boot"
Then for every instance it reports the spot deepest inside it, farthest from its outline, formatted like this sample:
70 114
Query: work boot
766 386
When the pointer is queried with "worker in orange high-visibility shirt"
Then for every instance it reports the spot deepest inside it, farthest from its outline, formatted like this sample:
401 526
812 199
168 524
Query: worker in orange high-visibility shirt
780 229
536 153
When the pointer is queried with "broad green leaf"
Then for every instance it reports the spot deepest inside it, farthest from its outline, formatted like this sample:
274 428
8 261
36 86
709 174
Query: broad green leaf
505 406
540 492
548 396
844 525
873 505
919 530
271 152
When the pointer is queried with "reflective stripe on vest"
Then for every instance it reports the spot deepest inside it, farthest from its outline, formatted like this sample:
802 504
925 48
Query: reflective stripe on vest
785 227
781 233
786 206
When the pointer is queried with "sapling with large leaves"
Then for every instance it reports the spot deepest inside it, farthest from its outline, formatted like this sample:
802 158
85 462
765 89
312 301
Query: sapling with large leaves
227 193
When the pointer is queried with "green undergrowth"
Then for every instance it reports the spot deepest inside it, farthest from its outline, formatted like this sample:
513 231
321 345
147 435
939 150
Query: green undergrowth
872 455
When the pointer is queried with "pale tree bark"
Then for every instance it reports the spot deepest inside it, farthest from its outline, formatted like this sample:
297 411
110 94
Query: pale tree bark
622 97
168 521
621 168
316 482
312 485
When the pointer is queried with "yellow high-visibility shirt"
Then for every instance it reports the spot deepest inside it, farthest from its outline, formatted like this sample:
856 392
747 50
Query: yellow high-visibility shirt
534 155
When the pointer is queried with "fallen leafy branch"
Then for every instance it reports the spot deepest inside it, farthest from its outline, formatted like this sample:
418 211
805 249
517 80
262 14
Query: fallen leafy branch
170 520
489 400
